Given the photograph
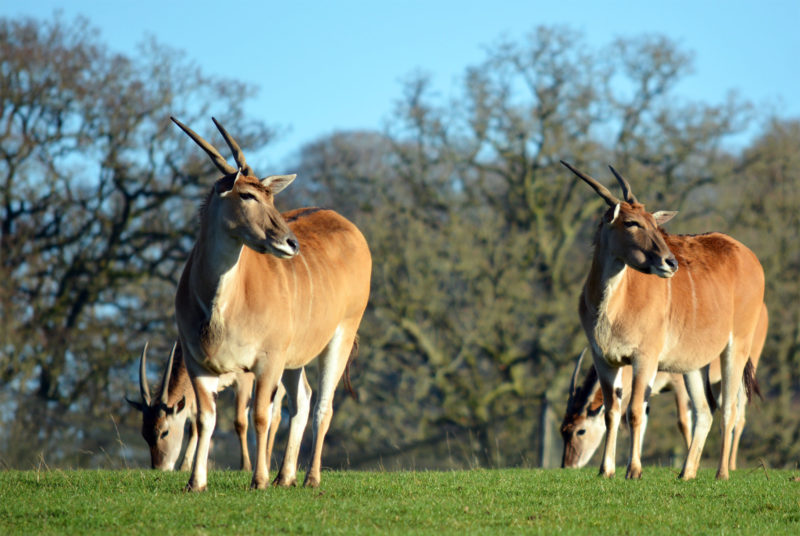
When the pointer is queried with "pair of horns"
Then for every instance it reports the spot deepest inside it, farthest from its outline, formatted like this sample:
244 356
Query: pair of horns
602 191
144 390
212 152
573 382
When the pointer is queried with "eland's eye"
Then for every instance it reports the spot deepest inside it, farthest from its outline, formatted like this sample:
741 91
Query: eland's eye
581 432
631 223
164 434
246 196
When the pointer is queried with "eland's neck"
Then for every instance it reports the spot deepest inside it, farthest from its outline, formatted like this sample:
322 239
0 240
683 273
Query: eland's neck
605 277
215 260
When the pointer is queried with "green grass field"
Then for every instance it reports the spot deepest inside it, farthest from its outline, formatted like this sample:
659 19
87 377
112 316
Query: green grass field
352 502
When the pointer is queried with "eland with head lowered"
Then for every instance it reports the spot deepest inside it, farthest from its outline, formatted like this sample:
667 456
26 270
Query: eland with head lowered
164 416
583 426
267 293
675 303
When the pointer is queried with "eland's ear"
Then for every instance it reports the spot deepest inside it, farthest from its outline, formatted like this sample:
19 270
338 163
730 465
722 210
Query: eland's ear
180 405
663 216
136 405
277 183
612 217
226 193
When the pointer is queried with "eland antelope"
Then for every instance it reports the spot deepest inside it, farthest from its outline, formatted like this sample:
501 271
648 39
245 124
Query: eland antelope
667 302
164 417
267 293
583 426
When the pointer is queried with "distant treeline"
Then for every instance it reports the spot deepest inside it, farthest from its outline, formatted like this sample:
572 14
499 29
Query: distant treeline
480 240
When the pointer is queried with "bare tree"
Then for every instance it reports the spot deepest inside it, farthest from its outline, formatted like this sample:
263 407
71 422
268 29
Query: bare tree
97 195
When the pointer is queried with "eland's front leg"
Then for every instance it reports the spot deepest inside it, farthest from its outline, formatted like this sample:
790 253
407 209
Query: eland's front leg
191 446
244 392
205 388
275 422
611 384
682 407
644 373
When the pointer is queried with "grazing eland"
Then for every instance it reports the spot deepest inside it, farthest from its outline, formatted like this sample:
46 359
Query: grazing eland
164 417
583 426
666 302
267 293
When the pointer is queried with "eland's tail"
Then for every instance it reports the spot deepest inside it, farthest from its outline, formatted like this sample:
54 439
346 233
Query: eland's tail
353 356
750 382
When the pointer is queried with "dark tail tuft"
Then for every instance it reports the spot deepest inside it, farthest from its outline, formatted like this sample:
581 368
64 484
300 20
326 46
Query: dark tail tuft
750 382
353 356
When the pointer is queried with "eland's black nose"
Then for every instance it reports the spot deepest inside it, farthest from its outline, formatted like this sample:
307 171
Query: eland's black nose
672 263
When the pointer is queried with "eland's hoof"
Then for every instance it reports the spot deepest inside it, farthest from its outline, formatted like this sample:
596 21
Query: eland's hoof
259 483
686 475
606 473
284 482
634 473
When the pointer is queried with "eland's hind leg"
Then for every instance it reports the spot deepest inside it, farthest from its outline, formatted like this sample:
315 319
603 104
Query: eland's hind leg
299 401
701 410
333 361
732 363
741 405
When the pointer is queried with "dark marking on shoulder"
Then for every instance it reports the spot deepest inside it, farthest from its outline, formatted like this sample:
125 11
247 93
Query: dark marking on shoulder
302 213
692 245
717 243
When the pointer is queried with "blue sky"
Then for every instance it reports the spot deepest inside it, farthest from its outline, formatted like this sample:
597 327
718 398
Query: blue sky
333 65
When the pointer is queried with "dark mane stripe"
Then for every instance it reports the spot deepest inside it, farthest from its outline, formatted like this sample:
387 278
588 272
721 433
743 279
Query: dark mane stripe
302 213
586 393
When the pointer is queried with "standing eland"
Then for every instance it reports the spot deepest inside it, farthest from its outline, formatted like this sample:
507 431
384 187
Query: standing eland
667 302
164 417
267 293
